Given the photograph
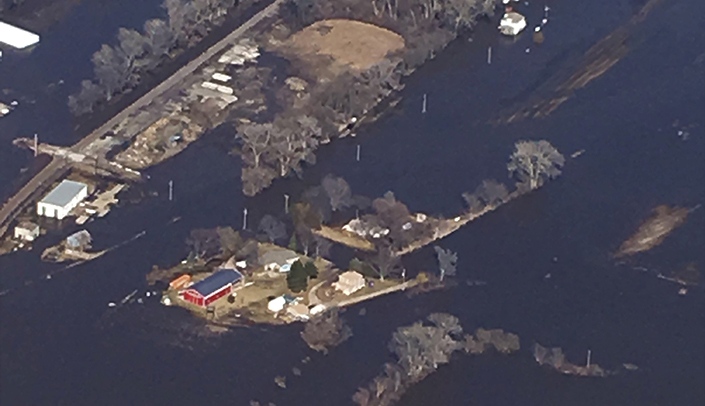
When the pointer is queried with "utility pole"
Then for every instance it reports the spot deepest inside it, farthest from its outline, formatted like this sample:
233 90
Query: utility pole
286 204
588 358
489 55
36 144
171 190
423 107
244 218
357 155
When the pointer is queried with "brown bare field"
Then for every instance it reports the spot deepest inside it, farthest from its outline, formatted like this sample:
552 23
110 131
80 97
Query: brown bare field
347 44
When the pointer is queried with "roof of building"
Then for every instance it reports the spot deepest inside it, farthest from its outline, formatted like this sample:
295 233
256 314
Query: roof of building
350 277
16 37
79 238
216 281
27 225
62 194
280 257
513 16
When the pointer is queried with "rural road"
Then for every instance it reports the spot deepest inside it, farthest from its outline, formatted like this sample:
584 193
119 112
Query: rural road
57 167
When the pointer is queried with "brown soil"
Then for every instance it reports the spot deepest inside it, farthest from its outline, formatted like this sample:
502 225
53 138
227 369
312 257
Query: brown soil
347 44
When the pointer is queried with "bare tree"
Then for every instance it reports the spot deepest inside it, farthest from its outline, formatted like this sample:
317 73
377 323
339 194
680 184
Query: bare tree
84 101
338 191
203 242
272 227
533 162
159 40
326 331
134 46
447 261
491 192
112 69
256 179
256 141
384 261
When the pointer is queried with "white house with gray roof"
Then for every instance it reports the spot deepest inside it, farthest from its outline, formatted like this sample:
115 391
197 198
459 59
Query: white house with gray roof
279 260
62 199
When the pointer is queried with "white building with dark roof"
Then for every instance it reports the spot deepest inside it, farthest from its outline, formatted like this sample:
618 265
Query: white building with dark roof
62 199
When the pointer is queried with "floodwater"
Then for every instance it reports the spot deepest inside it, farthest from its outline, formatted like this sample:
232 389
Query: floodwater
60 344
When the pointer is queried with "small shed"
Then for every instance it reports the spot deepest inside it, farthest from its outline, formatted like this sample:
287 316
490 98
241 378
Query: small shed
180 282
212 288
512 23
349 282
277 304
62 199
298 311
26 231
79 240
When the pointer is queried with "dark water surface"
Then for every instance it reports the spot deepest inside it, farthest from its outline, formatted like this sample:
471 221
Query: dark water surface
60 345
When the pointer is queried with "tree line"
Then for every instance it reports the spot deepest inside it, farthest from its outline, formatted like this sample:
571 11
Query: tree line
279 148
422 347
119 68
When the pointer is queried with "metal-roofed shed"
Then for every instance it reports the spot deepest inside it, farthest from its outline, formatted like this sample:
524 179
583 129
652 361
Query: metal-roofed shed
62 199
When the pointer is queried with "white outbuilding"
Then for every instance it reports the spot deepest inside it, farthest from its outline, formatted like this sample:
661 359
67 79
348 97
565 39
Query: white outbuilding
17 37
512 23
60 201
26 231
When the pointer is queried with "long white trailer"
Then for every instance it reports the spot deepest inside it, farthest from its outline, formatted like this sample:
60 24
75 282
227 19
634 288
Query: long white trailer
17 37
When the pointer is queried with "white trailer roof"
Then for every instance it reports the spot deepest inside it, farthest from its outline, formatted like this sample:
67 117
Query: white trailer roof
16 37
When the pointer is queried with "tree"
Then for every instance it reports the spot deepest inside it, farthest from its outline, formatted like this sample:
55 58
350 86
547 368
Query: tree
160 40
447 261
85 100
533 162
204 243
311 269
297 278
384 261
256 141
325 331
272 227
256 179
134 47
489 193
338 192
305 219
230 240
112 69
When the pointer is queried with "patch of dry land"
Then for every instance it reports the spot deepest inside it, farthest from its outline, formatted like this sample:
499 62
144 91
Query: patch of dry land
654 230
346 44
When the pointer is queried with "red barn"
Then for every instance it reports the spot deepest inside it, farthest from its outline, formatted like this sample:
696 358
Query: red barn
212 288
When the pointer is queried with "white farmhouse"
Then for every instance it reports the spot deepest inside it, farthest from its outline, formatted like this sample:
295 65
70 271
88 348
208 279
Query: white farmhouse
60 201
349 282
512 23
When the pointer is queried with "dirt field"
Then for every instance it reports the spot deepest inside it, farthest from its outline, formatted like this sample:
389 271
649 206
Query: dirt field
349 44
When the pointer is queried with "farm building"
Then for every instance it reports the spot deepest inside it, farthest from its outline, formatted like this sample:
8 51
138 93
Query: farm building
26 231
16 37
60 201
349 282
278 260
212 288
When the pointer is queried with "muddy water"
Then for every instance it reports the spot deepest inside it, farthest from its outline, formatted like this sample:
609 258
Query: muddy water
546 257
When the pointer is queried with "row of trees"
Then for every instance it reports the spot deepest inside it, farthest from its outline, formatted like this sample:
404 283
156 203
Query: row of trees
119 68
531 164
421 348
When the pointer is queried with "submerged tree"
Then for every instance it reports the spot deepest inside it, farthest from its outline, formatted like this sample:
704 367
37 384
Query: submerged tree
338 191
533 162
325 331
272 227
447 261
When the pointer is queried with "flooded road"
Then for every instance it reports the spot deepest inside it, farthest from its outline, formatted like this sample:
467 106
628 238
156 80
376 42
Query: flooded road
546 257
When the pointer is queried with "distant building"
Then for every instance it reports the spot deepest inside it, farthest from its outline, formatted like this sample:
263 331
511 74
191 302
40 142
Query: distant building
62 199
298 311
277 304
212 288
512 23
79 241
17 37
349 282
27 231
279 260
